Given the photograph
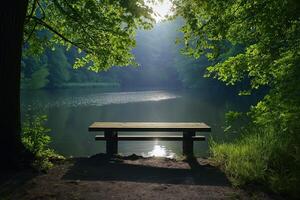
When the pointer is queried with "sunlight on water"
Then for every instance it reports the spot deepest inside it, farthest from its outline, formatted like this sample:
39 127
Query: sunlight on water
160 151
102 99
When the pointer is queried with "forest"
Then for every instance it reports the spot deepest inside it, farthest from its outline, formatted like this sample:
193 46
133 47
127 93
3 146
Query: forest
160 64
204 61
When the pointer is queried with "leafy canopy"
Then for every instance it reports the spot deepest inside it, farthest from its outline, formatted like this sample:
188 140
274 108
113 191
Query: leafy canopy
103 30
268 31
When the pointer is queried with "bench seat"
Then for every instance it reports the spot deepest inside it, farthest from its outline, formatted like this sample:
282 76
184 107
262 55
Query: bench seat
150 126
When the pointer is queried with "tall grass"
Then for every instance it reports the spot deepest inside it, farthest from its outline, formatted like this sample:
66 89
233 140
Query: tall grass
262 156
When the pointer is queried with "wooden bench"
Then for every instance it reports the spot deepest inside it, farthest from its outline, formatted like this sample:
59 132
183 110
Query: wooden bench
111 136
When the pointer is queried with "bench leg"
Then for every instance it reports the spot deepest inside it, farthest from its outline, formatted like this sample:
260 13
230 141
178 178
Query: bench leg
188 144
111 142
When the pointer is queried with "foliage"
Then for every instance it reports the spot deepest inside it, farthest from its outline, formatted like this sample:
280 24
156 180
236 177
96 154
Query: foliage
37 80
268 32
103 30
160 60
271 46
58 67
260 156
53 69
34 73
36 139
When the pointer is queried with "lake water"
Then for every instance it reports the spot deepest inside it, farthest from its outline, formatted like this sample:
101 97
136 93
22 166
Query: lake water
71 111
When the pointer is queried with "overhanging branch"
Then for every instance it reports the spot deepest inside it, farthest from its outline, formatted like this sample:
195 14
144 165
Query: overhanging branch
50 28
34 5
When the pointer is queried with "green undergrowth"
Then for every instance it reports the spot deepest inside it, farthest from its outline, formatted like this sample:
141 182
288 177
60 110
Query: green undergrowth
263 157
35 137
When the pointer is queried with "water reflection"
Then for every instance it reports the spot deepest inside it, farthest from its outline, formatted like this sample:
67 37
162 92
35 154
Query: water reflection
160 151
71 111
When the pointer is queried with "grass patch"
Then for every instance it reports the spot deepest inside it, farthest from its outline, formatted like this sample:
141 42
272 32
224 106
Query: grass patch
260 156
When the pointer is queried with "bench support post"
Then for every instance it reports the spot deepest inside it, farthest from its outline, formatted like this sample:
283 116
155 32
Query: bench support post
187 143
111 142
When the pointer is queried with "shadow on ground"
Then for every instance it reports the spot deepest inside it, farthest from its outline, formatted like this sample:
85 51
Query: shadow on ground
12 179
103 168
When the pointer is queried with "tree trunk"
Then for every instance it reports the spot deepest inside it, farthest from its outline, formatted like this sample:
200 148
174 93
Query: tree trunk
12 17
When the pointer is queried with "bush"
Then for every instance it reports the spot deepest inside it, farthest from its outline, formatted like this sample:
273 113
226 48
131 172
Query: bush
36 139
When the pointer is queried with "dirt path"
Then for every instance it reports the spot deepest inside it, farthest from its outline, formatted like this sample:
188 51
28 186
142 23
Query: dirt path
131 177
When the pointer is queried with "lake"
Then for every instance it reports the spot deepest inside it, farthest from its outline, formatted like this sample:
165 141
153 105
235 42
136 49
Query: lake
71 111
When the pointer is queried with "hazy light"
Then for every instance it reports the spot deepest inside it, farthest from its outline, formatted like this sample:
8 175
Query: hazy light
158 151
161 9
161 151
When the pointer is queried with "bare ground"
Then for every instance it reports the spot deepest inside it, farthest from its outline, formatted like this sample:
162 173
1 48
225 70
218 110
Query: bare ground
133 177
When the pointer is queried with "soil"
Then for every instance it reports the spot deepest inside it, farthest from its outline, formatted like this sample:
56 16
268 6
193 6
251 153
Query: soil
132 177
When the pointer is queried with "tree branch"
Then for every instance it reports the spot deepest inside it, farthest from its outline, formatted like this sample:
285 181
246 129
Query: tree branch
41 22
76 17
34 4
43 11
31 32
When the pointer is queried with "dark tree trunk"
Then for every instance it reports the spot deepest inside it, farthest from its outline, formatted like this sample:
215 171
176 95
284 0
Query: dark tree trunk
12 18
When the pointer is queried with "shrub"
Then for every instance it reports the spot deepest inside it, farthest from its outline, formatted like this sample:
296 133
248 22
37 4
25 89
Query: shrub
36 139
